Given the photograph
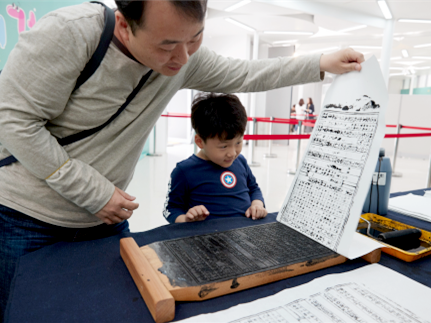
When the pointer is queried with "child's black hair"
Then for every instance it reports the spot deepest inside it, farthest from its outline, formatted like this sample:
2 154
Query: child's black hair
218 115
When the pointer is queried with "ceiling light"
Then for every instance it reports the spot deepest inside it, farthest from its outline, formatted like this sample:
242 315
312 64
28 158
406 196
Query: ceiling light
237 5
422 68
405 53
416 21
325 49
421 57
352 28
366 47
284 41
398 38
385 9
412 71
396 68
288 32
239 24
395 58
396 74
422 46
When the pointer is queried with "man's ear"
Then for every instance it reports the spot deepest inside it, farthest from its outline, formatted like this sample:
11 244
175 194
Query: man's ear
199 141
122 26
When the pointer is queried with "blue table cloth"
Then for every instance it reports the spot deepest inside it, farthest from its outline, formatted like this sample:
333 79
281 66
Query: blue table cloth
88 281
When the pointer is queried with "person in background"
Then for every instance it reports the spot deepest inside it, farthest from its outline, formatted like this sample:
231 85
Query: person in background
292 112
301 113
217 180
310 114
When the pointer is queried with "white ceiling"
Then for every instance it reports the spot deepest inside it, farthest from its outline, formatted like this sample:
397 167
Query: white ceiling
324 18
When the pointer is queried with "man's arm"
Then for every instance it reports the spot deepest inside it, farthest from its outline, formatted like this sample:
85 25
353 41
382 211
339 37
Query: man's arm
211 72
35 87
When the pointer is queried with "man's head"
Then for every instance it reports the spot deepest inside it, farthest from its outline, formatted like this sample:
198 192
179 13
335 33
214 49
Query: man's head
161 34
219 122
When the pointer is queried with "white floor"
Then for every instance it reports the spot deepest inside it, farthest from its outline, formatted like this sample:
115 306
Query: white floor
149 184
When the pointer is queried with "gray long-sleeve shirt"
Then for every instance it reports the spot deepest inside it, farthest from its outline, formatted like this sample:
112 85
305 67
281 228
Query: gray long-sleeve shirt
67 185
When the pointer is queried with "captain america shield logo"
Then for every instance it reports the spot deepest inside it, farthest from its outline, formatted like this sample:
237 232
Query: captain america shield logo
228 179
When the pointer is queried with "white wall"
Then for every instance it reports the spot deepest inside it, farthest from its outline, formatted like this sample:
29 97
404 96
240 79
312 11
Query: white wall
396 84
412 110
235 47
178 128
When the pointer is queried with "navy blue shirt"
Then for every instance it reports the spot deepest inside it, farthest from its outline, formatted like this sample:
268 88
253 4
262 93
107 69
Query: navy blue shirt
223 191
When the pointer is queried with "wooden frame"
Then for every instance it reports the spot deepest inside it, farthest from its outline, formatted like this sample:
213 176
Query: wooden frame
160 295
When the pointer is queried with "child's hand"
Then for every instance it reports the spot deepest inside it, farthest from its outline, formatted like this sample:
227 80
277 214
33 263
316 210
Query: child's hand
197 213
256 210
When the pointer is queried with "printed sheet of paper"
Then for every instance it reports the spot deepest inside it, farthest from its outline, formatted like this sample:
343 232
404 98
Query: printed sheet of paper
326 197
372 293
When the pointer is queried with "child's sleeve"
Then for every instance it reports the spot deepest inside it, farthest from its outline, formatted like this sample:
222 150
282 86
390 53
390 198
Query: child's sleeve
177 196
254 190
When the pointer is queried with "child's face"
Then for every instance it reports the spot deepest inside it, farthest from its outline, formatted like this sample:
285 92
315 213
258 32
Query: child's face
220 152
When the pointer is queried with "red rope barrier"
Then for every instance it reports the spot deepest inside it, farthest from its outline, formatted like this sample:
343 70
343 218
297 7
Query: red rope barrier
408 135
176 115
295 137
309 123
416 128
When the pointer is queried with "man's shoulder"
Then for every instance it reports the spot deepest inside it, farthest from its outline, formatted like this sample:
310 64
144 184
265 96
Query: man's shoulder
78 12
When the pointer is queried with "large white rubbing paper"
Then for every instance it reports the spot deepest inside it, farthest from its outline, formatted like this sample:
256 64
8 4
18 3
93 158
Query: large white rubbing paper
327 194
369 294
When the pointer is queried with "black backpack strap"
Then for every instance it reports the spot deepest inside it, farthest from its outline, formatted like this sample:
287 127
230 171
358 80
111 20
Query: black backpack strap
86 133
105 40
7 161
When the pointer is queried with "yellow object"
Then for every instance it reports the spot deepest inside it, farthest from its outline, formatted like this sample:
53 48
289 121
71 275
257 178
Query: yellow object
384 224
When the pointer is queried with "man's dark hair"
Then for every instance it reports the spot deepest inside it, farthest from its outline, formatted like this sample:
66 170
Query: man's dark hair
133 11
218 115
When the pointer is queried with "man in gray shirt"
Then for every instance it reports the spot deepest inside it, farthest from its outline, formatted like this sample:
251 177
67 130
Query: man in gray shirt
65 193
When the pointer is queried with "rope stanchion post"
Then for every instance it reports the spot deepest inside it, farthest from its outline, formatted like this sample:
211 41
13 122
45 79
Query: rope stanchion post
298 147
394 159
153 154
251 144
270 154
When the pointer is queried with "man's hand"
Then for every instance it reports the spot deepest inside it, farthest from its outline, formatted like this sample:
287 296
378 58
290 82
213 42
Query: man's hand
345 60
256 210
119 208
197 213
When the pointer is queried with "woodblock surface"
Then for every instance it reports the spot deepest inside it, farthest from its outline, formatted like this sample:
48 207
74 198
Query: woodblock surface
215 289
206 266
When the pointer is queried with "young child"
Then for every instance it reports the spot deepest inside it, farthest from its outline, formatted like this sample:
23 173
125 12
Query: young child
217 180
